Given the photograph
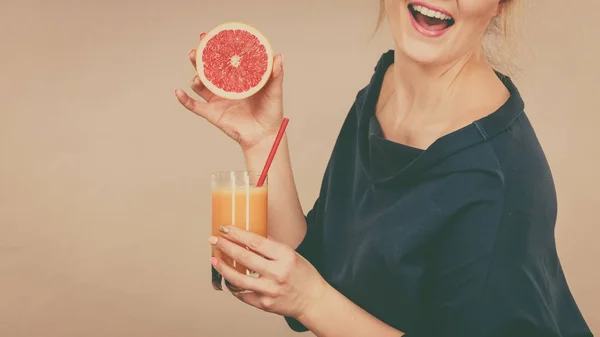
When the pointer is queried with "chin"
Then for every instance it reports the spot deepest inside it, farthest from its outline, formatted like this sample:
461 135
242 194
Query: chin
424 54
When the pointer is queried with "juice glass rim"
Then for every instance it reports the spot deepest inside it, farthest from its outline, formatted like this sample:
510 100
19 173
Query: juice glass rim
219 177
236 172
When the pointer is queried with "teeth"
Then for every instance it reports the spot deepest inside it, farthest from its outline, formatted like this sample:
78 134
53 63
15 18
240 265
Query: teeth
431 13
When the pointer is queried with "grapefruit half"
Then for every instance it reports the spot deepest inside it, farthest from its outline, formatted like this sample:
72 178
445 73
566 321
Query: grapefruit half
234 60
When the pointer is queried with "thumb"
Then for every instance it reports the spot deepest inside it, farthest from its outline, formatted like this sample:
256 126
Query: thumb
278 68
274 87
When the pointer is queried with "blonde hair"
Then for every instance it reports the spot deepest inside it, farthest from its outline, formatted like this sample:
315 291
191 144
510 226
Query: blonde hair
500 41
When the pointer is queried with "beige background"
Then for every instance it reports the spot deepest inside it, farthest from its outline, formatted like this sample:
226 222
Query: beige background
104 177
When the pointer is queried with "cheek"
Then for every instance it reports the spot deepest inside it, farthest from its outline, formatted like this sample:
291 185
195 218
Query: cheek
393 11
476 15
478 9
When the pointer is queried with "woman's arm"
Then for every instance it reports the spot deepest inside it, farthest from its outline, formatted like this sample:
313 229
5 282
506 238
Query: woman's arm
287 223
334 315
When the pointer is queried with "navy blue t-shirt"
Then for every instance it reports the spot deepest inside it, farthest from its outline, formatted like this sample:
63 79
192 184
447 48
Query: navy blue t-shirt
454 240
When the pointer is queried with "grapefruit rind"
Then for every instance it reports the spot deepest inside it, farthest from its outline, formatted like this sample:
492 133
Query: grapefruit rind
200 65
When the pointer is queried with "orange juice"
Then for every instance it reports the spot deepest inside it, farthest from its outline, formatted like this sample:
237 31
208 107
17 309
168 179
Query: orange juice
236 201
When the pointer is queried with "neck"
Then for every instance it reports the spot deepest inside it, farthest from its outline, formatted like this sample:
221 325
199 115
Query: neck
427 89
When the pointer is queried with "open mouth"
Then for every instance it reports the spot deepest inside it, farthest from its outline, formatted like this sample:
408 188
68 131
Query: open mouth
430 19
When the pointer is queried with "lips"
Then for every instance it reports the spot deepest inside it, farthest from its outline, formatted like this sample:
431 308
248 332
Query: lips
428 20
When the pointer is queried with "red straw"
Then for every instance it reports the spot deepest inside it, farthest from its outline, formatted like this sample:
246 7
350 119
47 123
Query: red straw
265 170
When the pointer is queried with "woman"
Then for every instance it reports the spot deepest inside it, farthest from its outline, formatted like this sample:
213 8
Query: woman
437 208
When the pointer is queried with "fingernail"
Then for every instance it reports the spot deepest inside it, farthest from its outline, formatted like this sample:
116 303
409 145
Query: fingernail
213 261
196 80
202 35
213 240
191 51
224 229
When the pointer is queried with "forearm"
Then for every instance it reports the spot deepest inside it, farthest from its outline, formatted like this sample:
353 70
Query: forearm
287 223
334 315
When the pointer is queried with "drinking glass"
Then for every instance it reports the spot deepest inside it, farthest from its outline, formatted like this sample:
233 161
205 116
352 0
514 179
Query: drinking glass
237 201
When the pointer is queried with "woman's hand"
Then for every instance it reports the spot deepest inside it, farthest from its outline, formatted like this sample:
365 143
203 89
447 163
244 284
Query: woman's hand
247 121
288 283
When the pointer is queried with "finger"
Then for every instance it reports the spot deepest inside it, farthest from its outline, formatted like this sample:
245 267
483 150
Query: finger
277 73
201 90
263 246
242 255
192 56
250 298
192 53
201 109
274 87
257 300
241 281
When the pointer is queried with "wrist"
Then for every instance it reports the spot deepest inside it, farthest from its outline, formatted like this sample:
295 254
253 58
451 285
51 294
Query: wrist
261 147
264 143
318 306
255 156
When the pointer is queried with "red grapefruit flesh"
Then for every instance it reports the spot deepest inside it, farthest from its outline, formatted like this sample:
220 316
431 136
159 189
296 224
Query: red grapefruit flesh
234 60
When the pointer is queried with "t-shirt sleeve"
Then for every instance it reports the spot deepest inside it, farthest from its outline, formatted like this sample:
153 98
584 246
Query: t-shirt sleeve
311 246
